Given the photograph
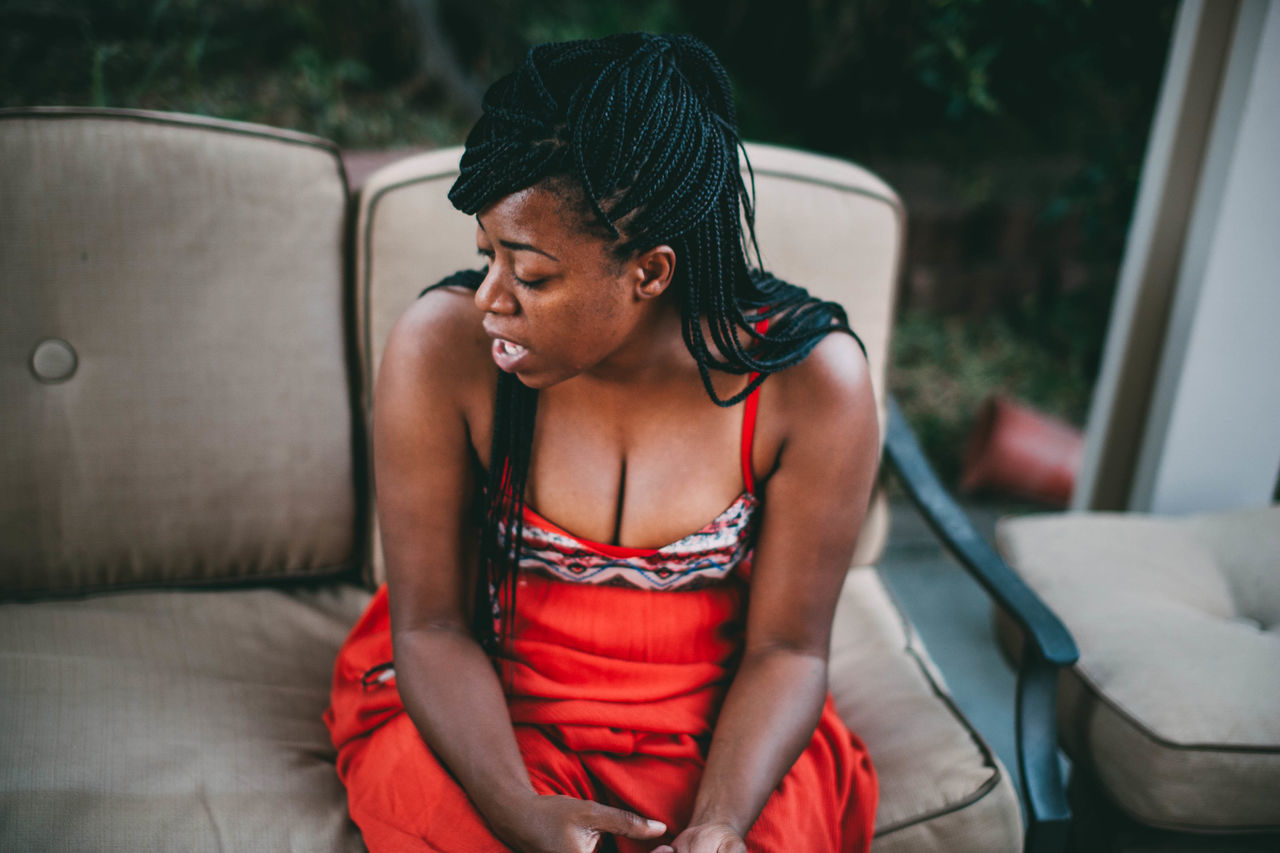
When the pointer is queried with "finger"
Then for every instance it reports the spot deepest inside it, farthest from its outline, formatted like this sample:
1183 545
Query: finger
625 823
666 848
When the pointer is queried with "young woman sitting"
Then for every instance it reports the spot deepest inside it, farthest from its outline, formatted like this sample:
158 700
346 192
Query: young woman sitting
620 473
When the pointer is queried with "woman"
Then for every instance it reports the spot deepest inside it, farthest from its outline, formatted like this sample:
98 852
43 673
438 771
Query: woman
639 683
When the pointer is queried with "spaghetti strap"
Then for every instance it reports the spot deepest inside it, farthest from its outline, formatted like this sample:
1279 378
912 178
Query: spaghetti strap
749 423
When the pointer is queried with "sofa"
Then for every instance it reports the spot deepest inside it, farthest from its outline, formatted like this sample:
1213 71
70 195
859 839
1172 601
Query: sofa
193 312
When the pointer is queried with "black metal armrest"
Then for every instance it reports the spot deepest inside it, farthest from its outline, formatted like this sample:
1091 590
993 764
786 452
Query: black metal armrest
1047 645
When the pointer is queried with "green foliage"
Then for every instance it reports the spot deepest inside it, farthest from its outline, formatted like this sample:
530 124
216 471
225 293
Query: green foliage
335 69
950 63
583 19
952 80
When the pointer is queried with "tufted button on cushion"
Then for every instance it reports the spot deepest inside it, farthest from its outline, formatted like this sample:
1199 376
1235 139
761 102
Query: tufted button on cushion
53 360
1175 701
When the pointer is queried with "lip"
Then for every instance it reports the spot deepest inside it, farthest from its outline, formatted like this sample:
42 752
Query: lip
508 354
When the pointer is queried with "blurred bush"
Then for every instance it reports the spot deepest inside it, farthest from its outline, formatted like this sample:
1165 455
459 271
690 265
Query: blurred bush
365 73
332 68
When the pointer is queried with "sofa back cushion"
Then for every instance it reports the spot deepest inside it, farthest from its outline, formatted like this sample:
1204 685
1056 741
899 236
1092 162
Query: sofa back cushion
823 223
177 403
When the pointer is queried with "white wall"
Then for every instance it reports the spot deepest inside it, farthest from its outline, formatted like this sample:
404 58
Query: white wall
1212 434
1199 54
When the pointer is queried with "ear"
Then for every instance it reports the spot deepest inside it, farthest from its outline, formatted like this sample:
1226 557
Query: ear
653 270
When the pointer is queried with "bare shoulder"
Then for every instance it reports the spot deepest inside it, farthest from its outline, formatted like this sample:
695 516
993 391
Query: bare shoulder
436 370
833 381
818 415
440 336
441 321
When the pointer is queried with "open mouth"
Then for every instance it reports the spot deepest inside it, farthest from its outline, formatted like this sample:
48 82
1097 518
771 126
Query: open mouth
508 348
508 355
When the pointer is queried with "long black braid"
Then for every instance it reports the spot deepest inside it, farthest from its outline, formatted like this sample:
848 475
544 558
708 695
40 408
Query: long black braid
643 127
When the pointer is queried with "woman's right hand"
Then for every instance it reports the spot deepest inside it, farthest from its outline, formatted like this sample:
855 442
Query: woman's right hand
558 824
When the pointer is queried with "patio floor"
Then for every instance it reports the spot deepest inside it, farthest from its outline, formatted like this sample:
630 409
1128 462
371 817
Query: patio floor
953 616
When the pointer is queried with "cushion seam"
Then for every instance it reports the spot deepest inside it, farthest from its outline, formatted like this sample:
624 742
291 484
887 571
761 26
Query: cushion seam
992 782
1134 721
184 120
338 571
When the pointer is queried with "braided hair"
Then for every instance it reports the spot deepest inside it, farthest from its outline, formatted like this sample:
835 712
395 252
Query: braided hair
642 127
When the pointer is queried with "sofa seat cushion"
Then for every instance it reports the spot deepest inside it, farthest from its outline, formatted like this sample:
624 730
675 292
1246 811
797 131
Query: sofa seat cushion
941 786
173 720
1175 699
135 719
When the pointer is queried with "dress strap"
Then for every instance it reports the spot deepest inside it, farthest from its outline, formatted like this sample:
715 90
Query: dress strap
749 423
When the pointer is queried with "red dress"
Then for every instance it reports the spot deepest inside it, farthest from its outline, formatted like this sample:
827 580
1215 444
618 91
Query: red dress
619 662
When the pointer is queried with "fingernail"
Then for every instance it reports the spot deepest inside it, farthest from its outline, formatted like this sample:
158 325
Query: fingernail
657 825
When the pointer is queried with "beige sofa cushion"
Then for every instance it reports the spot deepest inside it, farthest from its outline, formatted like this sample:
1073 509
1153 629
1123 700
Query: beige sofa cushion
1176 698
408 236
172 721
941 786
173 368
134 720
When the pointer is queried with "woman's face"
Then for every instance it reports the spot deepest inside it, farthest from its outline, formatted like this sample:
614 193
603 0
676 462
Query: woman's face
557 303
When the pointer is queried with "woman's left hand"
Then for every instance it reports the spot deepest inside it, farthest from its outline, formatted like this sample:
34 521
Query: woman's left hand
706 838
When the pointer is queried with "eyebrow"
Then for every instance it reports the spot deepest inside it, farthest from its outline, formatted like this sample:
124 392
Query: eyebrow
519 247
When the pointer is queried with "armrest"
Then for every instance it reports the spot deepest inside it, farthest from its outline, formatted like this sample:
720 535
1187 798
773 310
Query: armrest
1048 645
1052 642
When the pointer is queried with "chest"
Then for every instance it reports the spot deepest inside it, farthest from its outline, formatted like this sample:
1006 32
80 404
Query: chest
639 472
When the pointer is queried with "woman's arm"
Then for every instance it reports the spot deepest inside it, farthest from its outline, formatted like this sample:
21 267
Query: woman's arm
814 503
432 390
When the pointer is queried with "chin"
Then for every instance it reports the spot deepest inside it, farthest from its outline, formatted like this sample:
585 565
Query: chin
538 381
542 379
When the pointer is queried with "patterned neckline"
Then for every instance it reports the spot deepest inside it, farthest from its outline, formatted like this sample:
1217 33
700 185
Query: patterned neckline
622 551
706 556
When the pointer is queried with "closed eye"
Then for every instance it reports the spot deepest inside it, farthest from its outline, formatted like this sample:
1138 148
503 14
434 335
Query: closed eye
530 284
487 254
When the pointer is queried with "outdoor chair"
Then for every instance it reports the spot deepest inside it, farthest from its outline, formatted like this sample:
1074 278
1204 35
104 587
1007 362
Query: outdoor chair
193 312
1172 713
1168 575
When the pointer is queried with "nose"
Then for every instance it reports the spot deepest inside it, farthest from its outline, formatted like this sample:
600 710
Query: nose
493 296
